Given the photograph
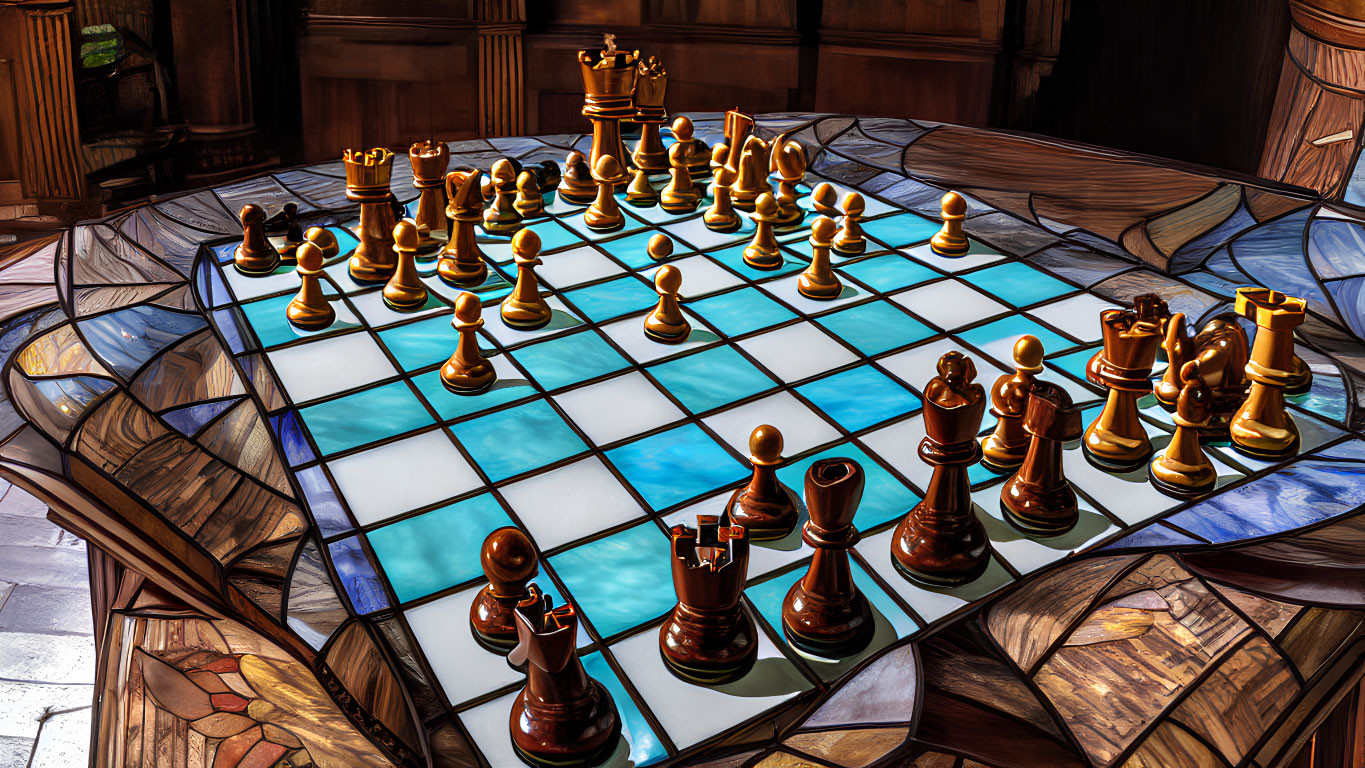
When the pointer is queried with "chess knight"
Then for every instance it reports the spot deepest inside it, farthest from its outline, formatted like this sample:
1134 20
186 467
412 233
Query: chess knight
1222 349
609 84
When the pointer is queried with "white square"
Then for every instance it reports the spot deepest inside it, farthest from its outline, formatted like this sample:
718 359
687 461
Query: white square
487 726
618 408
1130 496
950 304
1077 316
330 365
701 276
562 320
1029 553
629 335
401 476
801 428
977 255
917 365
464 668
571 502
931 603
247 288
785 289
798 352
575 267
371 306
898 445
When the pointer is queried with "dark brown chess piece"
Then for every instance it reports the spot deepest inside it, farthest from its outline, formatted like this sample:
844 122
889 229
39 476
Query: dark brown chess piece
547 175
1178 345
254 256
824 614
576 186
1182 469
1116 441
461 263
562 718
288 220
1004 449
1222 349
941 542
765 507
708 637
509 563
1038 499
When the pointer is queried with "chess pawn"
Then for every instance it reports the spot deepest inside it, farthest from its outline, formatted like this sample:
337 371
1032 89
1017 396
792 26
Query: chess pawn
310 310
762 251
461 262
824 199
708 637
509 563
1038 499
719 154
326 242
791 165
941 542
429 161
604 215
667 323
367 182
696 156
640 192
562 718
659 247
825 614
680 195
1262 427
721 216
293 233
468 372
502 216
524 308
254 256
850 240
950 241
405 291
547 176
576 186
529 203
1116 440
1004 449
752 178
1182 469
765 507
819 281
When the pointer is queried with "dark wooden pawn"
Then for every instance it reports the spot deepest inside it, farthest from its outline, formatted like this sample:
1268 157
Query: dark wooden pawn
941 542
1004 448
254 256
765 507
824 614
509 562
708 638
1038 499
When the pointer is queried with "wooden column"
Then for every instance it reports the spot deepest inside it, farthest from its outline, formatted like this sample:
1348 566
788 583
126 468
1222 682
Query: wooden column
214 84
502 110
45 94
1038 38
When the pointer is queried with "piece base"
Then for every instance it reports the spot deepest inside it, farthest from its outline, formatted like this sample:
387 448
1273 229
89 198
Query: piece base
710 676
370 278
262 272
502 229
951 251
1114 466
605 227
936 580
1261 453
766 266
667 339
1001 468
851 250
1033 527
475 390
1179 491
405 307
314 324
642 202
830 650
821 293
500 646
724 227
585 760
679 208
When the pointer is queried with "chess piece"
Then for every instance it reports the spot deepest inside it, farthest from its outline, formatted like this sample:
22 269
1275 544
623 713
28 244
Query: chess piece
721 216
708 637
547 175
850 240
762 251
738 127
509 563
694 152
819 281
1004 449
524 308
461 262
254 256
1178 344
604 215
1262 427
367 182
659 247
310 310
680 195
640 192
824 199
609 90
502 217
651 81
1116 440
752 178
950 241
1223 351
562 718
719 153
1182 469
405 290
468 372
791 165
326 242
825 614
429 162
1038 499
577 186
293 233
667 323
1301 378
529 203
941 542
765 507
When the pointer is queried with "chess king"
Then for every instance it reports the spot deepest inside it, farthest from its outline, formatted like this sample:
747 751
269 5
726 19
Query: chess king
609 98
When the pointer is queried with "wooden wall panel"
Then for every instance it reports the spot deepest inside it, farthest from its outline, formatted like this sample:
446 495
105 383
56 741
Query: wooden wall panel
956 90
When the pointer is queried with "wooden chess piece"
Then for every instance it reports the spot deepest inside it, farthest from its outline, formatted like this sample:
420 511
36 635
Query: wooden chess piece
791 165
254 256
1116 440
708 637
461 262
824 199
719 154
850 240
405 290
680 195
547 176
1182 469
367 182
608 98
1178 344
696 155
562 718
604 215
1301 378
651 82
429 161
752 170
1004 449
468 372
765 507
1262 427
310 310
641 193
941 542
819 281
529 203
721 216
950 241
524 308
326 242
509 563
576 186
667 323
825 614
1223 351
502 217
1038 499
293 233
738 128
659 247
762 251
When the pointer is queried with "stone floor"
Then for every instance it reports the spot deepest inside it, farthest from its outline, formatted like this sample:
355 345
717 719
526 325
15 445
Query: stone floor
47 647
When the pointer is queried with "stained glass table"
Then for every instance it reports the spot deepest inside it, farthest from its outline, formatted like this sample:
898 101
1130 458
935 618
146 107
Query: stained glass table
286 525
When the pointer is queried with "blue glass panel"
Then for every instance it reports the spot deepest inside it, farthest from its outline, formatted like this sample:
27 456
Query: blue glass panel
711 378
997 339
877 398
876 327
1018 284
899 231
364 417
889 272
357 576
884 497
425 342
1153 536
449 405
645 747
675 466
232 325
71 394
1192 253
1273 254
742 311
1328 397
437 549
290 434
192 418
640 588
1351 299
613 298
127 338
519 439
566 360
322 502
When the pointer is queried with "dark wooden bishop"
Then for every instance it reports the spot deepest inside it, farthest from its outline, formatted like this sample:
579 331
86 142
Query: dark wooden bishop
509 562
1038 499
824 614
708 638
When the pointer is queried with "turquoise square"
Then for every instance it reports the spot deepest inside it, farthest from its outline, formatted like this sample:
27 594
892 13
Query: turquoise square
271 325
553 235
1017 283
449 406
888 273
612 299
364 417
875 327
633 250
734 259
884 497
695 233
901 230
428 341
437 549
768 597
860 397
742 311
997 339
620 581
676 466
576 223
711 378
645 747
566 360
519 439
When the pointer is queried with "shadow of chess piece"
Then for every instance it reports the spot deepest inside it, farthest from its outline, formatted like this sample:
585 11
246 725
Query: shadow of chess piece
310 309
667 323
429 160
562 718
1182 469
468 372
1117 441
461 263
367 182
1038 499
825 614
941 542
1262 427
254 256
509 563
818 281
708 638
405 291
1004 449
950 241
765 507
525 308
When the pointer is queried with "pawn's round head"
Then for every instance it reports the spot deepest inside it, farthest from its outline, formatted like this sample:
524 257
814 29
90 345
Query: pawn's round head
405 235
668 279
508 557
573 158
323 238
953 204
824 195
765 445
251 214
791 161
719 153
854 205
1028 354
607 167
468 308
526 244
309 257
503 171
527 182
290 209
822 230
682 128
766 205
660 247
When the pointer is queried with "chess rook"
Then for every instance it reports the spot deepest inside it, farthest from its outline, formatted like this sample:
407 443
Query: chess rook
850 240
819 281
949 241
461 263
609 92
367 182
576 186
310 310
604 215
524 308
405 290
1116 440
1004 449
708 637
1182 469
429 161
501 217
1038 499
721 216
762 251
254 256
509 563
1262 427
651 82
765 507
467 372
